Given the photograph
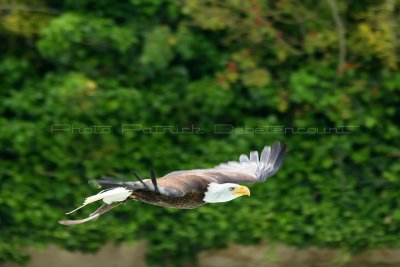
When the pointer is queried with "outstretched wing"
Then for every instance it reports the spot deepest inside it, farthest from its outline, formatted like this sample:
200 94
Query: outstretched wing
247 170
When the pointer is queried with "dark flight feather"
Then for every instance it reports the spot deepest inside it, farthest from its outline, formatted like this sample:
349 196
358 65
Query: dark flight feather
154 180
137 176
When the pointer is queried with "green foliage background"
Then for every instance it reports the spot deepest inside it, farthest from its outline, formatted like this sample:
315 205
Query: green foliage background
197 64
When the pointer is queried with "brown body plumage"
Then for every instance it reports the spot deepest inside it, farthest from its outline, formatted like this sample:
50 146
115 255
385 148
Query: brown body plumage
189 201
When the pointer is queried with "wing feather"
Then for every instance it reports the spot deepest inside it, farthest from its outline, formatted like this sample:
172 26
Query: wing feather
279 159
244 158
274 153
254 156
265 154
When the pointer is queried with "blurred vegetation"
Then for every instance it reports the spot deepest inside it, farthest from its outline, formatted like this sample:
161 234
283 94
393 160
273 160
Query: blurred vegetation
197 64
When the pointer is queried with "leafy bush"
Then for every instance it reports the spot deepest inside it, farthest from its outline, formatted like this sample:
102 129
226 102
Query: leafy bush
207 65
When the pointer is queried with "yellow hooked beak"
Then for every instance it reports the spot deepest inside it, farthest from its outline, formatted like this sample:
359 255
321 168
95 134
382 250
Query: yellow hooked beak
242 190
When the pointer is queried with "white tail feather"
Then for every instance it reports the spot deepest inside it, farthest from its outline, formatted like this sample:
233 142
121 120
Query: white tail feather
114 195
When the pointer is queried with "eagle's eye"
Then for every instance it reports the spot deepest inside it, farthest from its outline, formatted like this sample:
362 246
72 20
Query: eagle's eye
231 188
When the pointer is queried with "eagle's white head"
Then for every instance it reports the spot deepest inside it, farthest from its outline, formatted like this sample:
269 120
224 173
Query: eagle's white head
224 192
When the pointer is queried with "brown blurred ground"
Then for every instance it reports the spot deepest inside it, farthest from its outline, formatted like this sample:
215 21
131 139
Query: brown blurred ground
233 256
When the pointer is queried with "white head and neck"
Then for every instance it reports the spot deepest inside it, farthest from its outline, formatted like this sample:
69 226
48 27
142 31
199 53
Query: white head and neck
224 192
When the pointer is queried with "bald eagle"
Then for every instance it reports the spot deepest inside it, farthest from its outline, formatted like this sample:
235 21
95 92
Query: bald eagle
189 189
